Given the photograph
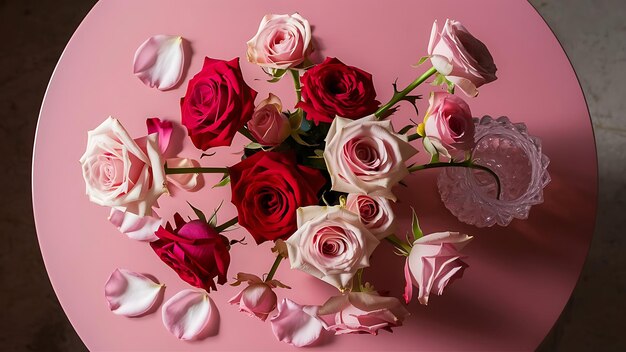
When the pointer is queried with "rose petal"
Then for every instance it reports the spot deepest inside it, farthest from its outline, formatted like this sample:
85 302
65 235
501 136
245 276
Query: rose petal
140 228
163 128
408 285
131 294
187 182
295 324
159 61
189 314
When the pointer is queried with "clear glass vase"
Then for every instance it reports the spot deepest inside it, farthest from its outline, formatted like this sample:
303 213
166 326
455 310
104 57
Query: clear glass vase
517 159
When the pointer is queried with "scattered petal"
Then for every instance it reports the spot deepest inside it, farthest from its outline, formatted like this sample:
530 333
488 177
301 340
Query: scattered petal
295 324
189 314
140 228
159 61
163 128
187 182
131 294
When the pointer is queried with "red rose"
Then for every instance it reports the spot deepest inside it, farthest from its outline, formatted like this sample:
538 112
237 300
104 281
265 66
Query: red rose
195 251
268 188
333 88
217 104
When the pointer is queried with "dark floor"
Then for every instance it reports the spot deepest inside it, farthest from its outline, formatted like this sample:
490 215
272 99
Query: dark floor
34 34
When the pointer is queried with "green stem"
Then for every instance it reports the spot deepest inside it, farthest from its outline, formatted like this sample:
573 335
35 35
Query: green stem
296 82
227 224
397 96
396 242
466 163
195 170
413 137
270 275
244 131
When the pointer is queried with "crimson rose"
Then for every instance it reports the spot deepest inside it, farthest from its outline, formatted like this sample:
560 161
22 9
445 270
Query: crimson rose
333 88
268 188
217 104
195 251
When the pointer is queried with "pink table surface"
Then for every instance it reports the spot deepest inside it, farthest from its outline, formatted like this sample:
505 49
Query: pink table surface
520 277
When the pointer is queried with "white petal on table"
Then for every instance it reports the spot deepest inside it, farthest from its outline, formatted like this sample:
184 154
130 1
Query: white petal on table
140 228
189 314
131 294
159 61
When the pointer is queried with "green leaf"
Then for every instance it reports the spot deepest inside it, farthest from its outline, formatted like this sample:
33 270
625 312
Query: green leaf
276 74
299 140
213 219
415 226
253 145
223 182
198 212
421 61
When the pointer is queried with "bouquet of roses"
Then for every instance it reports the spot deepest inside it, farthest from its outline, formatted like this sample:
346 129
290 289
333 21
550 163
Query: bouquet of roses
317 179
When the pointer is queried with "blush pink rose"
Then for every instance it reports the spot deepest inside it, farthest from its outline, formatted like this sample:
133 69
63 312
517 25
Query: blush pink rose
258 299
463 59
282 42
330 244
362 312
269 126
375 213
366 156
449 121
434 262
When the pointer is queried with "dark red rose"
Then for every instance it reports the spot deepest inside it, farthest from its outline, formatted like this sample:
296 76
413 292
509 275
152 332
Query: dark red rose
333 88
217 104
268 188
195 251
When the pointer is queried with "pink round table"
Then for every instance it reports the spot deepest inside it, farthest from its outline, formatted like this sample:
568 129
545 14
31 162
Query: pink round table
520 277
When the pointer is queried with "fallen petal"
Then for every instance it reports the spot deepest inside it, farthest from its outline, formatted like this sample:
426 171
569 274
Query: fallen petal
159 61
163 128
187 182
295 324
131 294
140 228
189 314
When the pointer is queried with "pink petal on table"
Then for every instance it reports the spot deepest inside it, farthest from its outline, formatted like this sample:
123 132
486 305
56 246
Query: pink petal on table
131 294
295 324
159 61
140 228
163 128
187 182
189 314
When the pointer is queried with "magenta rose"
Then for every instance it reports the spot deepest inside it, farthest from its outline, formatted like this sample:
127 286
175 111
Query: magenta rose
333 88
217 104
269 126
463 59
449 121
195 250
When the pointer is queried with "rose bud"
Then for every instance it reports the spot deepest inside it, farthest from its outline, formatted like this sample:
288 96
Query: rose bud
195 250
449 121
258 299
461 58
269 126
434 262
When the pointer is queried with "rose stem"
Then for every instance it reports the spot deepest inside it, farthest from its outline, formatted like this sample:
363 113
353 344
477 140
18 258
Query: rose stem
270 275
395 241
296 82
397 96
195 170
466 163
244 131
227 224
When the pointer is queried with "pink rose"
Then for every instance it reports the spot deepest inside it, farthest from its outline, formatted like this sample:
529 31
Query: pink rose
463 59
258 299
121 172
282 42
449 122
362 312
433 263
269 126
366 156
297 325
375 213
330 244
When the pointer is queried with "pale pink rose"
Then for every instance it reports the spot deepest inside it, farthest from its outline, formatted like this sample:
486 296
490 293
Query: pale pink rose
330 244
295 324
449 122
434 262
258 299
362 312
269 126
463 59
282 42
366 156
121 172
375 213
